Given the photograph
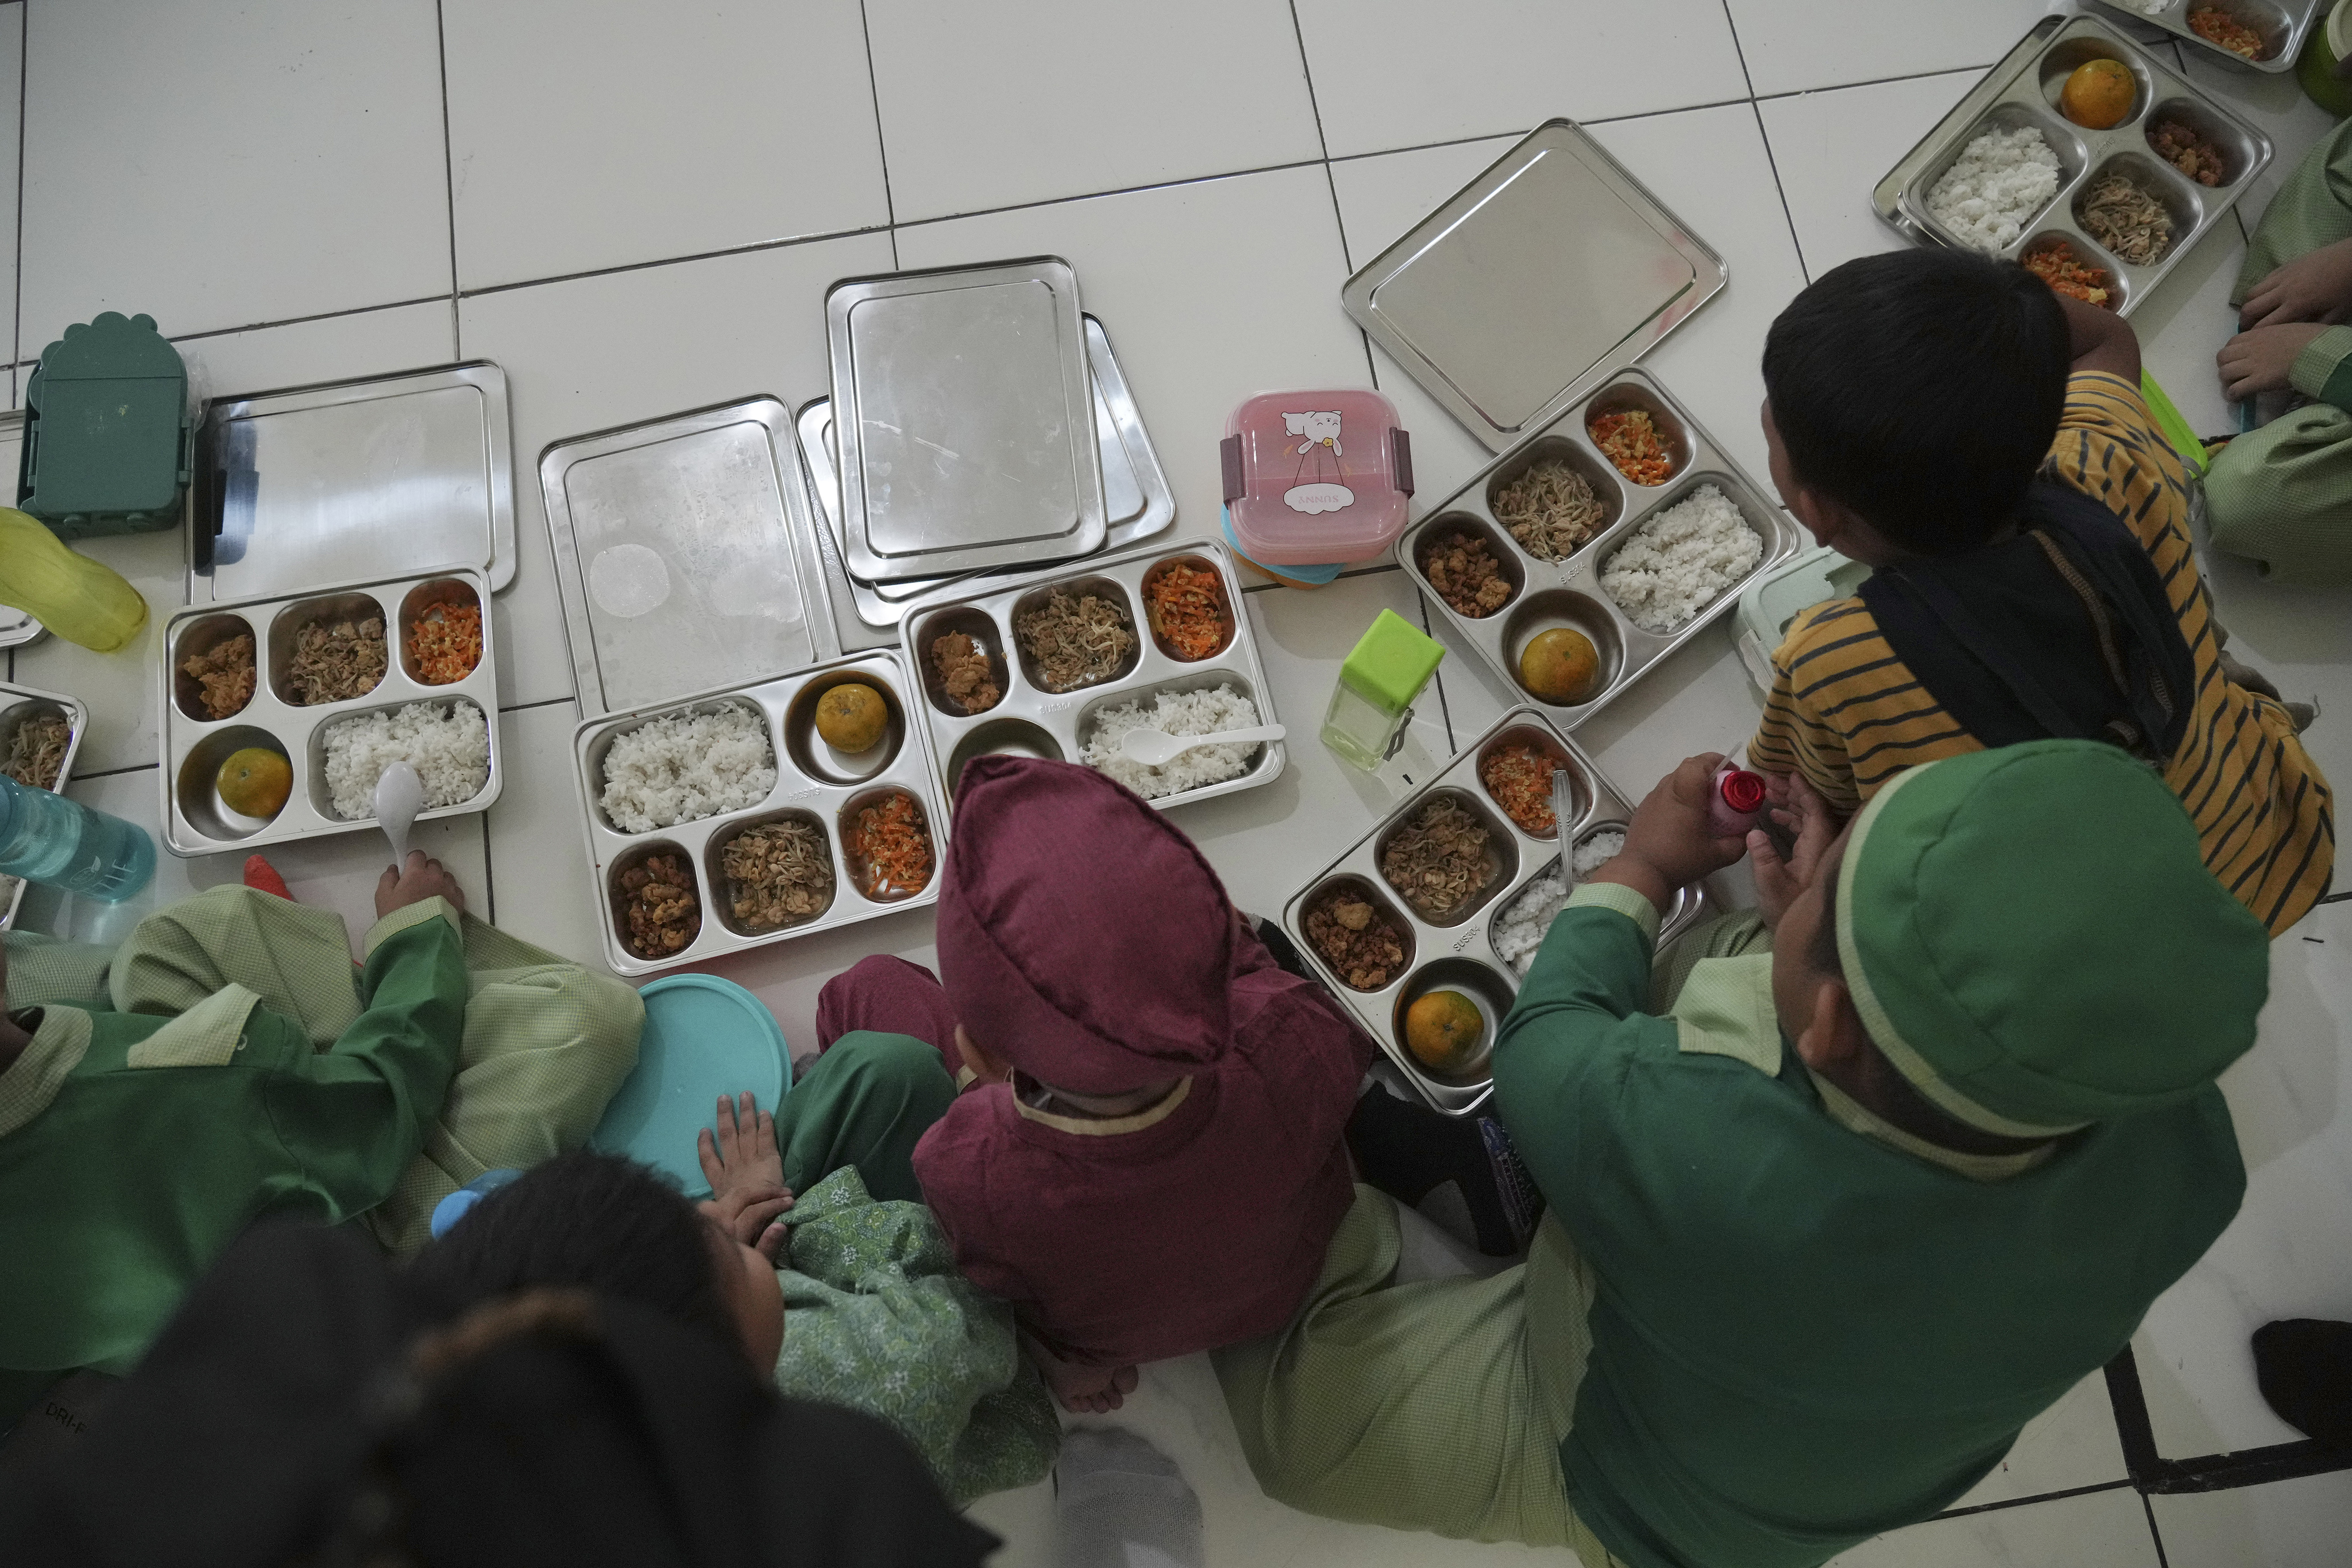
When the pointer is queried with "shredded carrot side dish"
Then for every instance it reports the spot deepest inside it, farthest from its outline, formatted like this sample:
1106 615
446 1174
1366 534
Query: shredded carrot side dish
1187 609
1630 441
2216 25
892 848
2057 265
445 642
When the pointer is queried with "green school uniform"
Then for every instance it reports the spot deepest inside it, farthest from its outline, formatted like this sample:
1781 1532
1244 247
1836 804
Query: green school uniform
135 1146
1809 1327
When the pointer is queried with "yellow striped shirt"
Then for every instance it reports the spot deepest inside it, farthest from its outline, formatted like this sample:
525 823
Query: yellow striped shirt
1851 715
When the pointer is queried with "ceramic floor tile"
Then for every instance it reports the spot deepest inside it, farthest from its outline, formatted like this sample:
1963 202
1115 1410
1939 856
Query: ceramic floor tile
12 82
1792 45
1210 292
337 348
1831 149
338 872
593 352
583 137
992 103
2287 1524
258 163
538 861
2288 1254
1402 74
2102 1530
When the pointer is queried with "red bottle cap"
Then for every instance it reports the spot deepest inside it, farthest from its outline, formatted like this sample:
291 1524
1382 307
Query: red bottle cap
1743 792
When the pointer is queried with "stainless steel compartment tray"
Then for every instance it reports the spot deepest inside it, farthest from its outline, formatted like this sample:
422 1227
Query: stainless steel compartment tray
1470 939
195 822
1036 722
18 703
1569 592
799 787
2023 90
1533 284
2285 25
967 420
352 481
685 555
1137 500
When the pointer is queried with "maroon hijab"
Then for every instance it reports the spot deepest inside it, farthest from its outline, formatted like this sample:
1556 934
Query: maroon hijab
1081 938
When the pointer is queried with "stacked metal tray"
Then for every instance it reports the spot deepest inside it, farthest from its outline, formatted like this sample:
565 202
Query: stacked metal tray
2023 90
685 555
1030 720
815 783
966 419
18 703
1546 595
195 820
1458 952
1136 499
2284 25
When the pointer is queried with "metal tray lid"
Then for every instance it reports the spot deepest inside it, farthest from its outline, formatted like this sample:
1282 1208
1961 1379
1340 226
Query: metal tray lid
1533 284
966 419
685 555
354 480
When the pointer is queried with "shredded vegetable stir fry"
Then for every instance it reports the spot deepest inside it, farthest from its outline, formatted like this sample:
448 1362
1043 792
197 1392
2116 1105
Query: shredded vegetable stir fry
2128 220
1630 440
1550 509
1187 606
1075 642
890 847
445 642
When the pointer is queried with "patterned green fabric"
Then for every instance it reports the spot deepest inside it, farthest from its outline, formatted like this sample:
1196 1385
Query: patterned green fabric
1436 1406
876 1318
2282 495
546 1043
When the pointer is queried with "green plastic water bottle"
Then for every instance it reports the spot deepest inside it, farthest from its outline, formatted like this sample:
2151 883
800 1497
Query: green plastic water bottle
77 598
48 839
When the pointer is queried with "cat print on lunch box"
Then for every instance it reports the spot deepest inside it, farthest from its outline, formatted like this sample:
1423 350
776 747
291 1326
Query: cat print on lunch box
1319 429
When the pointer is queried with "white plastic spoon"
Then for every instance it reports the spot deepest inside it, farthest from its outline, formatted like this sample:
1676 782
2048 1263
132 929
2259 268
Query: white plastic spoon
1154 748
399 796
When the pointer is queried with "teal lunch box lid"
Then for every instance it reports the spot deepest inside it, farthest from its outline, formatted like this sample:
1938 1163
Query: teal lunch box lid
704 1036
109 439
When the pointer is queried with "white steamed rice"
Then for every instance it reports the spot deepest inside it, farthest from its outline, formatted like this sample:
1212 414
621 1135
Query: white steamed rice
1179 713
1672 566
1994 187
447 744
682 767
1520 931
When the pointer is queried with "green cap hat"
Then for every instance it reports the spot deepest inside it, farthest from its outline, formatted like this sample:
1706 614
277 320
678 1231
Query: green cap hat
2030 936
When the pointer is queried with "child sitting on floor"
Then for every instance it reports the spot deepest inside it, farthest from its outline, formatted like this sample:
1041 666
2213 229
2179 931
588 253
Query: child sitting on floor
1149 1161
229 1063
1949 421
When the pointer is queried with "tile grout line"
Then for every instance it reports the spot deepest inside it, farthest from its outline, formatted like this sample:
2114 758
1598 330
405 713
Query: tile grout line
1763 134
881 142
2154 1535
449 176
16 327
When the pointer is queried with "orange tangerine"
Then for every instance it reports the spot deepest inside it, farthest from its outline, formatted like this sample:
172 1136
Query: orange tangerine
1443 1029
2099 94
255 782
1560 666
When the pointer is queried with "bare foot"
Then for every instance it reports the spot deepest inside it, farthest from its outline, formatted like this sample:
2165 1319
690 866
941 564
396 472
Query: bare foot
1083 1390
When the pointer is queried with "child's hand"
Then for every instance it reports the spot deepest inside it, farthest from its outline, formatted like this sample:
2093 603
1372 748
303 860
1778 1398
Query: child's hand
2262 360
1795 805
1670 844
746 1172
2315 287
412 883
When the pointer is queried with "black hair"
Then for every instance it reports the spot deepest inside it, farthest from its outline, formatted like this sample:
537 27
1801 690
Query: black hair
597 1221
1823 955
1921 388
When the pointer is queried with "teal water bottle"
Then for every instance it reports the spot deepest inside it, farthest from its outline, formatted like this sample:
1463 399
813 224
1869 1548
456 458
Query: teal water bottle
46 837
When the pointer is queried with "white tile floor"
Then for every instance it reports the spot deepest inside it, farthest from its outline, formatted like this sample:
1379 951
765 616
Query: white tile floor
635 211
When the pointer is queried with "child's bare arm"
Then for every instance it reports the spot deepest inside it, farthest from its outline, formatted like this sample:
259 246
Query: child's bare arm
2100 340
